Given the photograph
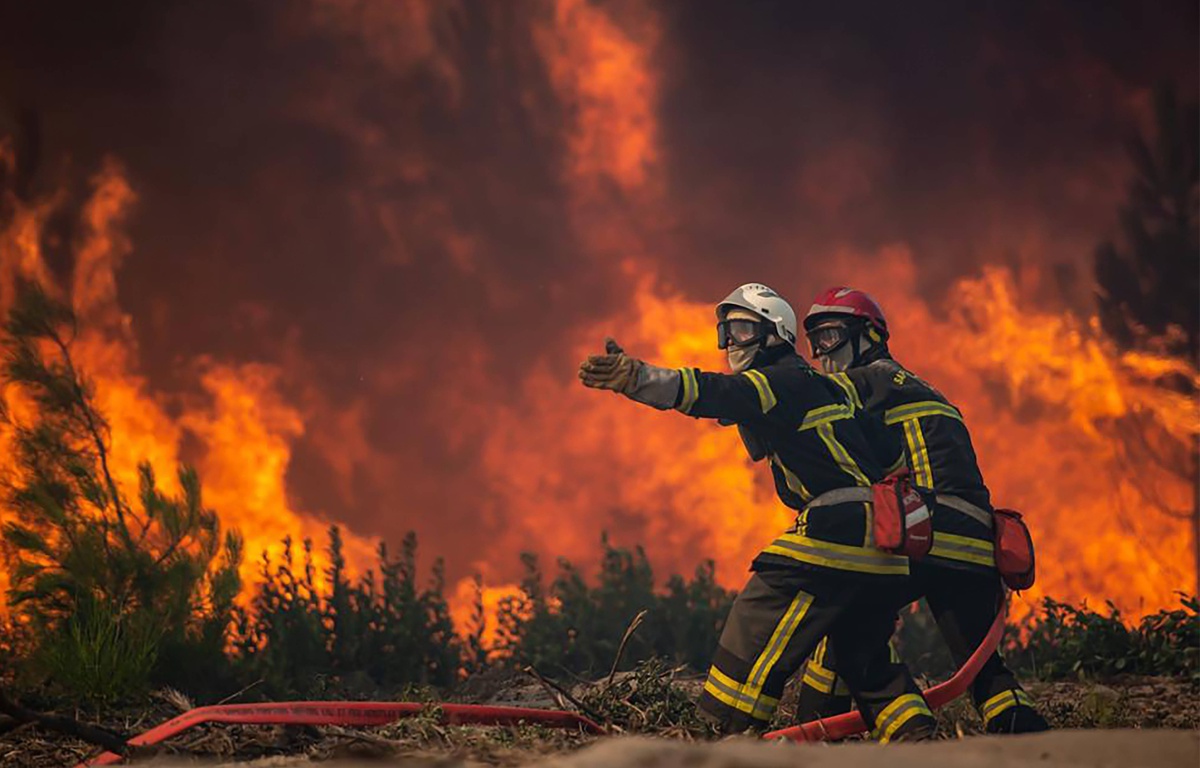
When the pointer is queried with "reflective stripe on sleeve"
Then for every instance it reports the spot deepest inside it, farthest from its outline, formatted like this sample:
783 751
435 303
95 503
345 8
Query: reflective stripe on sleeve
691 389
826 414
766 398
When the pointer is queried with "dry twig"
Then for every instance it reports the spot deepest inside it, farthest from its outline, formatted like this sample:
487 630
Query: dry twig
633 625
559 692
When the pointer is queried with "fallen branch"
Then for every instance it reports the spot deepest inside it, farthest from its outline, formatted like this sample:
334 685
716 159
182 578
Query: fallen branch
557 690
82 731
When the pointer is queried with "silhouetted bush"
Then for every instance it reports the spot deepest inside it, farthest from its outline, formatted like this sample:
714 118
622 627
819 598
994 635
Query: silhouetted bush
570 626
302 637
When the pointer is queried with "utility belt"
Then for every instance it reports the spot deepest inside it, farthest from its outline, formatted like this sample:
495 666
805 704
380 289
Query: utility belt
901 524
900 520
1014 544
978 514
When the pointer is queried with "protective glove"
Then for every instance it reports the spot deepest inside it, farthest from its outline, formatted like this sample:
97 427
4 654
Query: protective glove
613 370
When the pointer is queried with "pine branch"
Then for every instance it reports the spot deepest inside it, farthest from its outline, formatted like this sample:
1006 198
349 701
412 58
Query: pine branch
69 726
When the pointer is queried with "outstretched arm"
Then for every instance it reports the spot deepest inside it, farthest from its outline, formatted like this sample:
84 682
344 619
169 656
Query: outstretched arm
639 381
744 398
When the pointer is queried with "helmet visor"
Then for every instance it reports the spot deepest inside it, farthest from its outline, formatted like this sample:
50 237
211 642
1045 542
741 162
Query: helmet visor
738 332
828 338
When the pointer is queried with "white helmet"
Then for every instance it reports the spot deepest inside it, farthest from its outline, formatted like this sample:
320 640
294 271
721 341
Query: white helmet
761 300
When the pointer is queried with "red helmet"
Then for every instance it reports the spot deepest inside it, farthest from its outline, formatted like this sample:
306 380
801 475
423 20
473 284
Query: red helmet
846 301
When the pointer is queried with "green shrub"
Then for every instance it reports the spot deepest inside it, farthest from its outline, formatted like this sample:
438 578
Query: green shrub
87 565
100 655
300 638
571 627
1069 642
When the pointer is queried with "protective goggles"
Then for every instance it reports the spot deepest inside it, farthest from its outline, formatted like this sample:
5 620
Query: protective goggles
826 339
740 332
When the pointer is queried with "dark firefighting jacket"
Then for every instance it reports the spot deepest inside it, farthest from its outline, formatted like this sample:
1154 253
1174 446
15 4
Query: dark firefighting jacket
807 428
939 453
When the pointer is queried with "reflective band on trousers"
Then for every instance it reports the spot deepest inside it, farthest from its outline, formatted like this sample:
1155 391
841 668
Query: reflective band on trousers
896 714
726 690
816 676
978 514
1003 701
748 696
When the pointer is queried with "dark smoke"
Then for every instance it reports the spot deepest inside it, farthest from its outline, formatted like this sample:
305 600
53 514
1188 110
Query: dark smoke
392 225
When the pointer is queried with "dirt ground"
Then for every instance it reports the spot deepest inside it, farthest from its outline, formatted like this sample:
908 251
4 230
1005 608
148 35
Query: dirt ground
1068 749
1126 722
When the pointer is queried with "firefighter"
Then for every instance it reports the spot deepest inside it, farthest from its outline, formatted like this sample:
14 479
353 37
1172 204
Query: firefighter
848 334
818 577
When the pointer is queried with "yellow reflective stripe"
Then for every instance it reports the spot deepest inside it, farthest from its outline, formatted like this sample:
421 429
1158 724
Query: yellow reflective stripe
1003 701
819 678
826 414
950 546
782 635
766 398
841 455
896 714
892 654
728 691
843 381
918 454
691 389
919 411
819 654
793 482
840 556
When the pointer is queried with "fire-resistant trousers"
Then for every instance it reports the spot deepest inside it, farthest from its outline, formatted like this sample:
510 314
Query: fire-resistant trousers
778 620
964 604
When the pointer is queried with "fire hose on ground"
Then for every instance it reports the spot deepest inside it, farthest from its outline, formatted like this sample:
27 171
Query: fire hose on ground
366 713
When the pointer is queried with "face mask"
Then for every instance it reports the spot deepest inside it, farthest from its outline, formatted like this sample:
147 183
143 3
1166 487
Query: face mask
837 360
741 358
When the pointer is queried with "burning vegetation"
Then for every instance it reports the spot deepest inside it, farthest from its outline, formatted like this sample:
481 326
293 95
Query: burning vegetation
205 375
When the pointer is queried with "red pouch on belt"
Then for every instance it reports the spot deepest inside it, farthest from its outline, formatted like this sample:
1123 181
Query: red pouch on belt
902 521
1014 550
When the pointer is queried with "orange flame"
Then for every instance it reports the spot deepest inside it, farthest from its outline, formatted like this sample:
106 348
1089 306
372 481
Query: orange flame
243 428
1046 396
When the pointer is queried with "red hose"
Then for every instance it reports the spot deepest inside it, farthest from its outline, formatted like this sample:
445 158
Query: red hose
851 723
360 713
353 713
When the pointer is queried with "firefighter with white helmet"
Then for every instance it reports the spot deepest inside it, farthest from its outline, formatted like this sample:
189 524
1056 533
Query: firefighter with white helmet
848 335
823 575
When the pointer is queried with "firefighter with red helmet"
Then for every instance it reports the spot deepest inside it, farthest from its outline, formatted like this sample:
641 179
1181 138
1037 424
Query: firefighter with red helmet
848 334
820 577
